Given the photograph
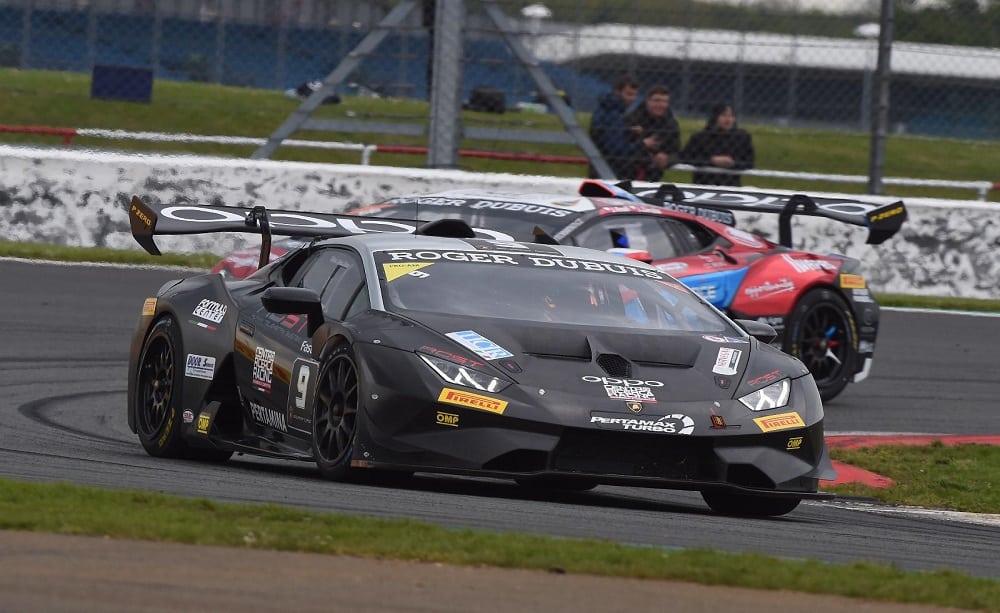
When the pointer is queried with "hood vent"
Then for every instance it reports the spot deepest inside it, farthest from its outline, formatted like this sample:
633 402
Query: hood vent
615 365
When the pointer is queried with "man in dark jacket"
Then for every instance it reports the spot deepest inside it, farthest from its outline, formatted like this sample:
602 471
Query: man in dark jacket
609 131
720 144
654 125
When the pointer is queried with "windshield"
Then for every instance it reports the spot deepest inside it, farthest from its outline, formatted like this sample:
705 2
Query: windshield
542 288
515 219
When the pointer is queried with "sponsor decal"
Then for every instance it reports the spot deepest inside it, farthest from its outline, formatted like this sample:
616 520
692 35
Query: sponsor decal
802 265
263 367
727 361
781 421
428 201
472 401
629 392
480 345
166 431
141 216
395 270
200 366
210 310
765 378
718 422
723 339
446 419
519 207
667 424
862 295
708 292
625 382
794 443
768 289
204 421
187 416
306 347
635 407
886 214
723 382
451 357
202 324
538 261
848 281
268 417
149 307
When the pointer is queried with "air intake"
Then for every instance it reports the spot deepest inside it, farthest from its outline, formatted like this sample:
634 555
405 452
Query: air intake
615 365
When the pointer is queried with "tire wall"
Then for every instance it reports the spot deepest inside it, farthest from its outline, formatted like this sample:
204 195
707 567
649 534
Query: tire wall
80 198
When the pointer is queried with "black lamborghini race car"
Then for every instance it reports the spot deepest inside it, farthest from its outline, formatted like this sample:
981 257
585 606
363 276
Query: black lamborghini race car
422 348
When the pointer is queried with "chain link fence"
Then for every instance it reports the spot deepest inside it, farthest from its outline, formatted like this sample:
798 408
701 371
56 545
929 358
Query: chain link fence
778 62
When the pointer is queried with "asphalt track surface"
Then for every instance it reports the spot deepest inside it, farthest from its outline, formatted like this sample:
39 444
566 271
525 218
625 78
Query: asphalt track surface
64 334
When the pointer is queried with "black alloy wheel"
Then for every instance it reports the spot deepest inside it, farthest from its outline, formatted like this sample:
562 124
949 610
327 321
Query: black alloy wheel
159 391
335 417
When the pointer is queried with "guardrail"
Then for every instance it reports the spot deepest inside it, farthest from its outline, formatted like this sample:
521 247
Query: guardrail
366 150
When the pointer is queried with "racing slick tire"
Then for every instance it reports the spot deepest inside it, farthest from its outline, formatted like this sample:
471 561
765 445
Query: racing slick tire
336 411
822 334
748 505
159 390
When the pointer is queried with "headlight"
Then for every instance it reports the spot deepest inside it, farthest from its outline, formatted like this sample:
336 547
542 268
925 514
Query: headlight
463 375
771 397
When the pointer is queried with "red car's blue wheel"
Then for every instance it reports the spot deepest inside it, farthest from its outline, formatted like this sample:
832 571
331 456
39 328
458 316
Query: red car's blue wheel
822 333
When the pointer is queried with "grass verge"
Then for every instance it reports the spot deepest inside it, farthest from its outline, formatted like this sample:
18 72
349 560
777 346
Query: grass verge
69 509
961 478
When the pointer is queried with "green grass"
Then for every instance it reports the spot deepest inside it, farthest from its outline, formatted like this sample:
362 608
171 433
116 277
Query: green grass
962 478
68 509
63 100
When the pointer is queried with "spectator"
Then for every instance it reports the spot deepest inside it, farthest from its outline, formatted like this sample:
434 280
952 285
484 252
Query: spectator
609 131
654 126
720 144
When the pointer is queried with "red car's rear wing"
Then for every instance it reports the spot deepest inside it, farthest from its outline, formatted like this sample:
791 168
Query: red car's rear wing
149 220
882 220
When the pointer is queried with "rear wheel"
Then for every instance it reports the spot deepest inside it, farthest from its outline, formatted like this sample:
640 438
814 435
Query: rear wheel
822 333
748 505
159 391
335 415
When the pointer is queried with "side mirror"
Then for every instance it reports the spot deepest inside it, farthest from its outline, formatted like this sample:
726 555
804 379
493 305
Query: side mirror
295 301
757 329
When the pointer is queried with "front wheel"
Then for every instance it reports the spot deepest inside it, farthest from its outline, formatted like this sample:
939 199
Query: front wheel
335 414
748 505
822 333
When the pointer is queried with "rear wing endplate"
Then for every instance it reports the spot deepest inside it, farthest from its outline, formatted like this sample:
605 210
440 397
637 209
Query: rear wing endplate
882 220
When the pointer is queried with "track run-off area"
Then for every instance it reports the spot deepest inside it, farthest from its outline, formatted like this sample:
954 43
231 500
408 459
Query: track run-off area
64 340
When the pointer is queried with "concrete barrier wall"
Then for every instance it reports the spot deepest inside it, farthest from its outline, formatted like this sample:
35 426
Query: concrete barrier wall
74 197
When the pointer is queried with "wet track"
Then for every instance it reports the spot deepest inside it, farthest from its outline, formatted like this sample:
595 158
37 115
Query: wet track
64 336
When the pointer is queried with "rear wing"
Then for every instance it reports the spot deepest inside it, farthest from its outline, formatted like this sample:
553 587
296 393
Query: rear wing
150 220
882 220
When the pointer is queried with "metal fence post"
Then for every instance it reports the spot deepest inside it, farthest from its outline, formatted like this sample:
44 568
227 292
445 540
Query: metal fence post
880 99
446 84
